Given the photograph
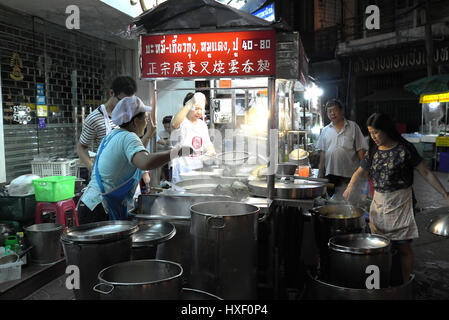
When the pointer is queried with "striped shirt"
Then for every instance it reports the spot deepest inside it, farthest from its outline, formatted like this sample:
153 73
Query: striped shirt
94 130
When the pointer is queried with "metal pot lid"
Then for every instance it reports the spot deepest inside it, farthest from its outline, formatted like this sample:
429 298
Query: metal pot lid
153 233
100 231
359 243
223 208
439 226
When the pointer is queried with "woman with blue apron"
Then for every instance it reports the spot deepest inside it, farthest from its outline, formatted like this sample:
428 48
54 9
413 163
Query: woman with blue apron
119 163
117 199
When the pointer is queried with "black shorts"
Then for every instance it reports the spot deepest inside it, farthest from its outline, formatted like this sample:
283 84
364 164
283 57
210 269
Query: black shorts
85 215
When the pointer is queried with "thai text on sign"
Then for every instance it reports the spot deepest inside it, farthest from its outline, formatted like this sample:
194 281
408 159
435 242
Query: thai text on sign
224 54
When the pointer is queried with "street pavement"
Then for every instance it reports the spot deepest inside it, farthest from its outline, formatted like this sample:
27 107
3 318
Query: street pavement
431 251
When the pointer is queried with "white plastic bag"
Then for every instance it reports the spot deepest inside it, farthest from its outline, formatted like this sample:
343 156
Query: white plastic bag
22 185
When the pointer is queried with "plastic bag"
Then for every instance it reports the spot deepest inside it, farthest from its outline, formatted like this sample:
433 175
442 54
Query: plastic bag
22 185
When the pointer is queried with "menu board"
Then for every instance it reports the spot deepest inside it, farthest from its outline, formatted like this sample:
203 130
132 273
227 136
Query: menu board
200 55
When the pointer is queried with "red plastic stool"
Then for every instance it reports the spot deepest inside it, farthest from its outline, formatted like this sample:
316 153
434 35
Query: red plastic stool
60 208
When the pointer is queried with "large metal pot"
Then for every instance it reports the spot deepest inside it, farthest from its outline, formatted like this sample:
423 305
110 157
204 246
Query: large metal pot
94 246
320 290
224 248
141 280
338 219
351 254
45 240
332 220
176 210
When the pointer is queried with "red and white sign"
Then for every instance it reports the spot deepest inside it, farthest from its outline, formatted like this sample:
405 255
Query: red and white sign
199 55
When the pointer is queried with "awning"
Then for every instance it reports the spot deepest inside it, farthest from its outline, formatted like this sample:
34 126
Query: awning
175 15
429 85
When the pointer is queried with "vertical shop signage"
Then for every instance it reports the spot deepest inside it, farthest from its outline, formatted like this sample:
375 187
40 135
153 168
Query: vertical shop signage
223 54
41 107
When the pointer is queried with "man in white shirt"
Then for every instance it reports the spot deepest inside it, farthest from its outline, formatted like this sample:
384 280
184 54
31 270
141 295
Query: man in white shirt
341 144
98 123
191 131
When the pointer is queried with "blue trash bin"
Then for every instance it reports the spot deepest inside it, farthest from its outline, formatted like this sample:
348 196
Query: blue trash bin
443 164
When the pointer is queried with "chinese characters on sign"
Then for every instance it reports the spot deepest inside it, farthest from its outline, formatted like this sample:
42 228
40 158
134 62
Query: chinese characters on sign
224 54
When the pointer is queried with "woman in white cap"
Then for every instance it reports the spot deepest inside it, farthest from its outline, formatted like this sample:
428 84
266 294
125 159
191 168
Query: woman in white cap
193 132
118 165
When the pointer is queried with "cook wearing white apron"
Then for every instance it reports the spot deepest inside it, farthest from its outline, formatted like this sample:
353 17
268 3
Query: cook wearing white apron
195 135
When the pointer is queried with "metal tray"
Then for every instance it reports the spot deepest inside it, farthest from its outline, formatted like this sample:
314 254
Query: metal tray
100 231
153 233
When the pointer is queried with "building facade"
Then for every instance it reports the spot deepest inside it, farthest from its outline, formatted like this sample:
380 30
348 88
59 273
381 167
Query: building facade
367 69
51 78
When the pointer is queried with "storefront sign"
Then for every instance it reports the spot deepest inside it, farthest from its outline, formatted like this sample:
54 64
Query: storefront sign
438 97
223 54
415 58
266 13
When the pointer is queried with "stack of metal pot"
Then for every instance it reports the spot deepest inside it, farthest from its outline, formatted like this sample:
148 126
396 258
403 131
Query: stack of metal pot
174 209
333 220
354 264
94 246
361 261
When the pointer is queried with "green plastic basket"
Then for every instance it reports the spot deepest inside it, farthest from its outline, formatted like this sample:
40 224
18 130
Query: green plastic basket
54 188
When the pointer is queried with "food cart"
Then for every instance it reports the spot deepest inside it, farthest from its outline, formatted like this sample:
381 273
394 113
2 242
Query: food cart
249 70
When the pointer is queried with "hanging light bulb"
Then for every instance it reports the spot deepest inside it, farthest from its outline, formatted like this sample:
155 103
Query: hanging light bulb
434 105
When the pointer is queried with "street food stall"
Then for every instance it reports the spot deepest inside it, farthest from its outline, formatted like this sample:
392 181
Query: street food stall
245 224
431 141
250 75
